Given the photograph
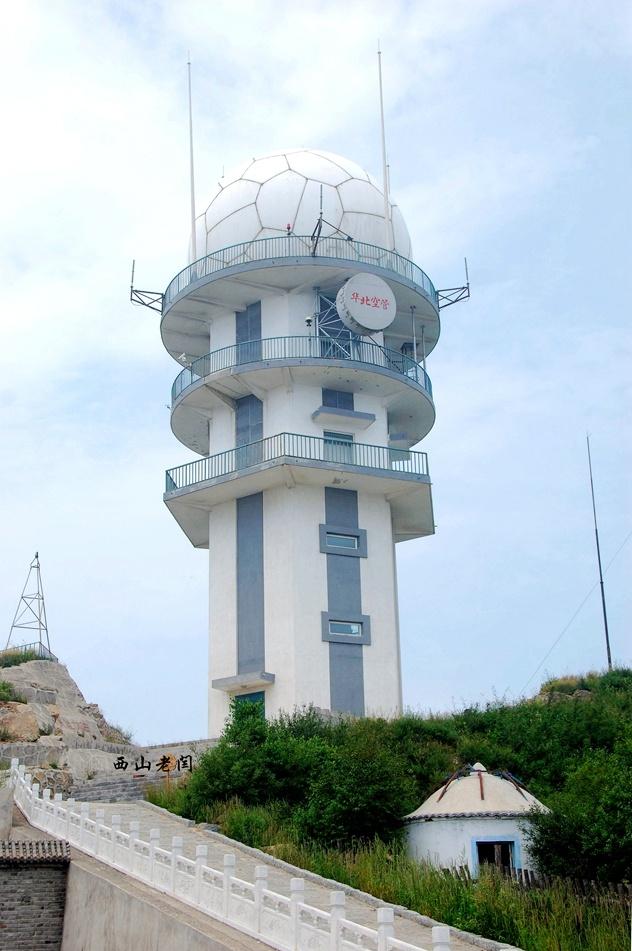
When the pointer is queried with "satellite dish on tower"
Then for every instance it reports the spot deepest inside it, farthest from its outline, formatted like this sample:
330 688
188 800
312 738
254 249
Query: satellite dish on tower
366 304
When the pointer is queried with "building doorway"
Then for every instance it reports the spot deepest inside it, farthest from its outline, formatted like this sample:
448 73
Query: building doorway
500 854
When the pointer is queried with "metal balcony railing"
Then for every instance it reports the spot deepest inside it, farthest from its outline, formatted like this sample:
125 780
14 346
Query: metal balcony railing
299 247
301 348
287 447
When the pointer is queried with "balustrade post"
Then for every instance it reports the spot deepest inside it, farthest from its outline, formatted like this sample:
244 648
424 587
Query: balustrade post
261 880
201 858
46 813
84 812
134 834
385 927
57 799
297 897
336 912
441 938
35 805
177 843
69 808
99 817
229 869
154 842
115 823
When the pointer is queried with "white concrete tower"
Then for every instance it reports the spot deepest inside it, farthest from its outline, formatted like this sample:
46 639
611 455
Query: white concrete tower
303 337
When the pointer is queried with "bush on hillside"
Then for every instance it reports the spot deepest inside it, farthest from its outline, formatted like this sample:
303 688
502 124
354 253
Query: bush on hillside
588 833
342 780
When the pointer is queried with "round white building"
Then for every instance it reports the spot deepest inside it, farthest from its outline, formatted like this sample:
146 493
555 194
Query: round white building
475 818
303 329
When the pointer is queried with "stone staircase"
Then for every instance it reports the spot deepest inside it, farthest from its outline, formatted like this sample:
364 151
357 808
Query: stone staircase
116 789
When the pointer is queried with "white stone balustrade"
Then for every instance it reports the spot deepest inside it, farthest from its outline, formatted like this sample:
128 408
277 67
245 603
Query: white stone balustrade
282 922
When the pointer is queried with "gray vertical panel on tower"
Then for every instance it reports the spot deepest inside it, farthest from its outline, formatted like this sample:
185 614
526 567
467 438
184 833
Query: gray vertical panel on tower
341 507
250 598
343 585
248 333
248 420
346 676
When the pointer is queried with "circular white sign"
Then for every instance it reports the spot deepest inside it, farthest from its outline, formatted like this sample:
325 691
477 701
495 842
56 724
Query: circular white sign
366 304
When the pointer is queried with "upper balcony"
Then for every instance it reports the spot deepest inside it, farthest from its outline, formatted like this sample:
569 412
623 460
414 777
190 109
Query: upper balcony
260 365
401 476
226 280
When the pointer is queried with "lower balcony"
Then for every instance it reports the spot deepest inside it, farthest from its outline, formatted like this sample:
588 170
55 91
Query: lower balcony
259 366
400 475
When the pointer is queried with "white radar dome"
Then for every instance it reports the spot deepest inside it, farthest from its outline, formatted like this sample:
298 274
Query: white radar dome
261 197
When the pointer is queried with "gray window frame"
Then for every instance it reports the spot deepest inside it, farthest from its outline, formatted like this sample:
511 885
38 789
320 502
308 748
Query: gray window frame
359 533
363 619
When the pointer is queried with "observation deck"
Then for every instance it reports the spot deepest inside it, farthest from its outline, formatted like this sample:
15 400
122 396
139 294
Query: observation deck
401 476
259 365
231 278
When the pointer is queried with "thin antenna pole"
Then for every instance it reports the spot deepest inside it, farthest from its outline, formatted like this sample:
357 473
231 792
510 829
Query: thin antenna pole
603 593
193 238
387 206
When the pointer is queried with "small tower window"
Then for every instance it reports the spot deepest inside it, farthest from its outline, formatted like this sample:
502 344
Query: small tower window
335 540
339 399
349 628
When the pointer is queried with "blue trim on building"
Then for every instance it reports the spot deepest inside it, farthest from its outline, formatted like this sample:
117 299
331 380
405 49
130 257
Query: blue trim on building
517 849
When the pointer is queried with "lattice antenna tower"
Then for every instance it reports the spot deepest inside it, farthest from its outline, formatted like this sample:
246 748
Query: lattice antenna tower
30 614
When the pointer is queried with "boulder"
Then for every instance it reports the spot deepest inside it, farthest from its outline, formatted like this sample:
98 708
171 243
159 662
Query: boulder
18 721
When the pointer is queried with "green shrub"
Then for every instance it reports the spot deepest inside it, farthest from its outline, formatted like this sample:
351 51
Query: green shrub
254 761
588 832
359 792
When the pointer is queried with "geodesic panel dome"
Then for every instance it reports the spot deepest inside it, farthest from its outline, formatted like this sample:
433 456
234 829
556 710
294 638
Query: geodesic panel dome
260 197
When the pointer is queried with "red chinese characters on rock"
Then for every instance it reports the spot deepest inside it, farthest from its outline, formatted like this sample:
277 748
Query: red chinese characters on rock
371 301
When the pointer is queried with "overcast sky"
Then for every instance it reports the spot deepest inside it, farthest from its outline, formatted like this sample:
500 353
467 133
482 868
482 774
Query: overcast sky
508 129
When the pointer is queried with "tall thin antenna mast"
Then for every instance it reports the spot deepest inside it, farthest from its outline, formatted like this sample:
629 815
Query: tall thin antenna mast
603 593
193 239
30 614
387 205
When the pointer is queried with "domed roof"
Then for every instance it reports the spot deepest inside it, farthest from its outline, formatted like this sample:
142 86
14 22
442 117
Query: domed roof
472 791
261 197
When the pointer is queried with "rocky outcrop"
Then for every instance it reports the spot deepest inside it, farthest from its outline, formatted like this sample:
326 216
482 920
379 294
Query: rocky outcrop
64 741
55 709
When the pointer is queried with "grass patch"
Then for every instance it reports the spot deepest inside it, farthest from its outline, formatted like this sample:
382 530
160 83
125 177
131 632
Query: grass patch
14 658
116 734
170 797
5 735
9 693
549 919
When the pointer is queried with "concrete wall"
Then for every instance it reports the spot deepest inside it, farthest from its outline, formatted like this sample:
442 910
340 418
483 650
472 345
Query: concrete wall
107 911
32 898
447 842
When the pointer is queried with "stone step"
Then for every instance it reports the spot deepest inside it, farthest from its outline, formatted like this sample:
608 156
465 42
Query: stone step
114 790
